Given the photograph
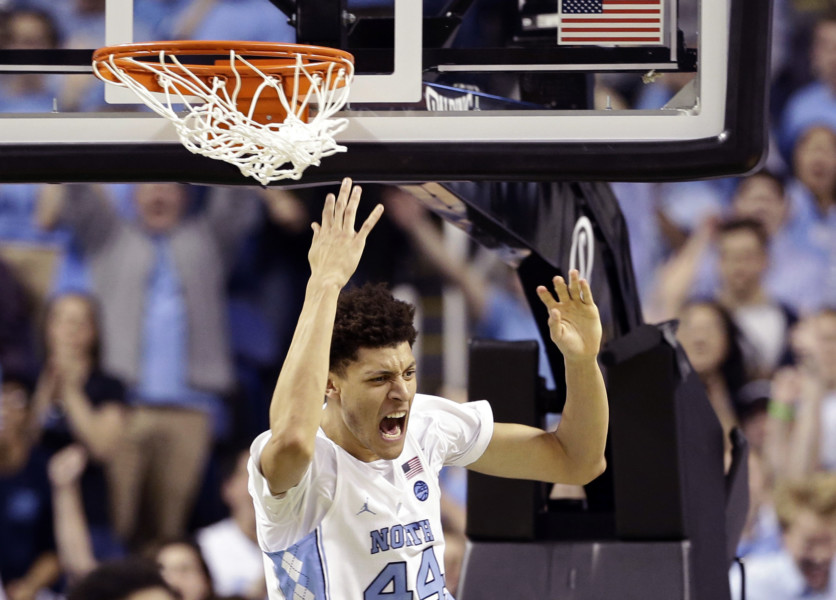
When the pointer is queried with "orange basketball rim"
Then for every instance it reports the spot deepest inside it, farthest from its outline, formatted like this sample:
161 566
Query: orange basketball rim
243 80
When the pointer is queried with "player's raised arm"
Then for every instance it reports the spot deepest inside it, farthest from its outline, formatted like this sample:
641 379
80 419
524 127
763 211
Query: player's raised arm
296 407
574 453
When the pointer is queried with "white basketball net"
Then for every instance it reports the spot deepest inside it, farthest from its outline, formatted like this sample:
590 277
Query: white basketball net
215 127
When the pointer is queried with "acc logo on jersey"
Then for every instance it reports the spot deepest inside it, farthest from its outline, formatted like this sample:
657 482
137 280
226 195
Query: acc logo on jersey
422 490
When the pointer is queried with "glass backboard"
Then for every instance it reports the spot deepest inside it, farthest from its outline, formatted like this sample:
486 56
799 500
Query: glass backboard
455 90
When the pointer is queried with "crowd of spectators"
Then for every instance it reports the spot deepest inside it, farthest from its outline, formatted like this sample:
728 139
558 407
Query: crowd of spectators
748 267
142 326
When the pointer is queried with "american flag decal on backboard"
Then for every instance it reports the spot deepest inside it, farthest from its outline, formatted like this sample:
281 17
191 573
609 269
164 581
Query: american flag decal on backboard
412 467
610 22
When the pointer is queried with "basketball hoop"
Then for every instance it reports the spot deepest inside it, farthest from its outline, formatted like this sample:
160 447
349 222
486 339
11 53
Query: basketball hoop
266 108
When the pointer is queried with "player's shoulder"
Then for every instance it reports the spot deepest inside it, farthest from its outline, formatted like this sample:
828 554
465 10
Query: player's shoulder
428 402
324 450
426 410
433 413
429 407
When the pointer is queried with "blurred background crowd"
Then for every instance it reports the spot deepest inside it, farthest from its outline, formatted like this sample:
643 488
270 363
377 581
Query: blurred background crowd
142 326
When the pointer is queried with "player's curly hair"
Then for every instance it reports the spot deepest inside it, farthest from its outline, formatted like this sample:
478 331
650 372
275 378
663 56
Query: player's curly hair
369 317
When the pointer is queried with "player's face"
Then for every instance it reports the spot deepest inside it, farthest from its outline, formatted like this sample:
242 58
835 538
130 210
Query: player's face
374 396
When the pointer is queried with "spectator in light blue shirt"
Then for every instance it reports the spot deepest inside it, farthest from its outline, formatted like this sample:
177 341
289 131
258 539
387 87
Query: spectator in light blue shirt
161 283
816 102
813 197
794 264
803 569
28 29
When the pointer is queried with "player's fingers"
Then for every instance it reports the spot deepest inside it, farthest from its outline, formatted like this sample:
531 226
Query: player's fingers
546 297
342 201
328 211
370 222
351 209
561 289
586 291
554 320
574 284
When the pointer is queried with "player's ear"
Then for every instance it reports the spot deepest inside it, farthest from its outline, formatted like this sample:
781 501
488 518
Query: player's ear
332 392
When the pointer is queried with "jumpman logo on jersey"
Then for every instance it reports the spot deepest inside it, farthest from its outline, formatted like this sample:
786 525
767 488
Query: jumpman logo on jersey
366 508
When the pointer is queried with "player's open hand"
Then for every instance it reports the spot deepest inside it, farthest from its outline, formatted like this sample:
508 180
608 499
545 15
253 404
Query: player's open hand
574 322
336 247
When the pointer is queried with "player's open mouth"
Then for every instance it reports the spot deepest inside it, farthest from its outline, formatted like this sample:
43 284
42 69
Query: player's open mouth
392 426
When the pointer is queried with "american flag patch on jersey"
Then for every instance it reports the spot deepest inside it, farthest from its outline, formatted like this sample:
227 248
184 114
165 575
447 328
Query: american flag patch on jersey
412 467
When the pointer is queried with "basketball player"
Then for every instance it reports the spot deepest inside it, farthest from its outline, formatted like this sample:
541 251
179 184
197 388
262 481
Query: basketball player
347 496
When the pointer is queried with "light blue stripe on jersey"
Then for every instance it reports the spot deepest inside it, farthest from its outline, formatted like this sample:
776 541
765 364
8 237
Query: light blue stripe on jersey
299 570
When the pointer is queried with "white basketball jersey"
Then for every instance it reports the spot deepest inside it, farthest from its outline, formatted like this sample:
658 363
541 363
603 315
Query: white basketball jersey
380 536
